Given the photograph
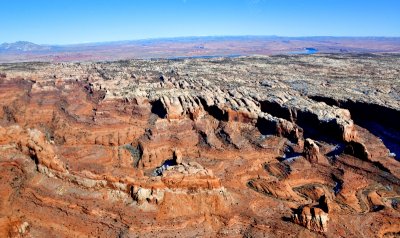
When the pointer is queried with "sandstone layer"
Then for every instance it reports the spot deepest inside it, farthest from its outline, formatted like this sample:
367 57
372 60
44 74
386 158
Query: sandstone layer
282 146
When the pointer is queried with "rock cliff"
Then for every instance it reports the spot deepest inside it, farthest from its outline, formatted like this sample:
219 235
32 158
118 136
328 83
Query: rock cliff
281 146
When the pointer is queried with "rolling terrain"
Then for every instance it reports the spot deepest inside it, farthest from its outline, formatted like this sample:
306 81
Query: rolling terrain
253 146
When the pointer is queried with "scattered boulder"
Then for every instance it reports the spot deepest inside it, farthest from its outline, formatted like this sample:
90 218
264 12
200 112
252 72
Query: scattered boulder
311 151
141 195
313 217
358 150
375 201
177 156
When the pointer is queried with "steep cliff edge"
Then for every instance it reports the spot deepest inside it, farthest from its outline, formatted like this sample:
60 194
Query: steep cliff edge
252 146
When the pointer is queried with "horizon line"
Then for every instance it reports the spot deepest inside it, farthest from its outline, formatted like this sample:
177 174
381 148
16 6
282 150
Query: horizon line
193 36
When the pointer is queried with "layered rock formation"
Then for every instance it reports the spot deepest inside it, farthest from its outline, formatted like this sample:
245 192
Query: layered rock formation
314 217
254 146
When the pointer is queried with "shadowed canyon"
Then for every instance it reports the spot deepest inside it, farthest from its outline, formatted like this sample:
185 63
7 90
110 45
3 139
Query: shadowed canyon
255 146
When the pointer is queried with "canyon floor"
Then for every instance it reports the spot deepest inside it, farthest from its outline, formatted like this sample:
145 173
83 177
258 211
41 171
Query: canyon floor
269 146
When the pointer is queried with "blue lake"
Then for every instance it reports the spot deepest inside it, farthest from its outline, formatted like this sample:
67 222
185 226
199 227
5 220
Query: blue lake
306 51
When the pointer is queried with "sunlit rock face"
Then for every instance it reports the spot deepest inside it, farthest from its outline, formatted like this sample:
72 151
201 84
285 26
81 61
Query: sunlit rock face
282 146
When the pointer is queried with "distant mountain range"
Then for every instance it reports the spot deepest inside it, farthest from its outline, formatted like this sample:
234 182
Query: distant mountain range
22 46
196 47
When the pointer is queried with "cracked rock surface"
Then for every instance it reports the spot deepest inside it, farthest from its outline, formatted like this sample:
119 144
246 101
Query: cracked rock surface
280 146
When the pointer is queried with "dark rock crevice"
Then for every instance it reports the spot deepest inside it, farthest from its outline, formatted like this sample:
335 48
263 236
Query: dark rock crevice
312 126
365 111
266 127
157 107
358 150
214 111
275 109
381 121
274 127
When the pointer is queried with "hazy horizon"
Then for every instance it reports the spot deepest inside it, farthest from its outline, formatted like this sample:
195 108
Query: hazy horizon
202 37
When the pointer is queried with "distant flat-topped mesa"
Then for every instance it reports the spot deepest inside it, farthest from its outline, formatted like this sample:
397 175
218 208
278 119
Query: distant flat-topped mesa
266 146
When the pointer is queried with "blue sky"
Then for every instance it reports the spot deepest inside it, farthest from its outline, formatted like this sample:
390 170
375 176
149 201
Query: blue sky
80 21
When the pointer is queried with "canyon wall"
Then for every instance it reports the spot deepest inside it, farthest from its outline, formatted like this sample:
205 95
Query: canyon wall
283 146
